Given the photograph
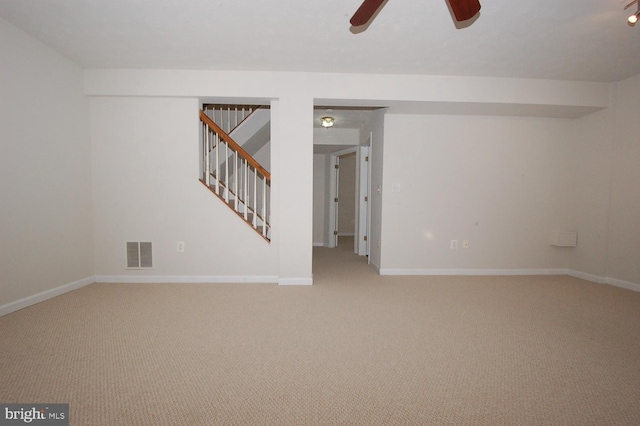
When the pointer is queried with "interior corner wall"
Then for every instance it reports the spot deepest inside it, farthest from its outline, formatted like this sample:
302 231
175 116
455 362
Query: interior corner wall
624 225
502 183
145 156
591 162
45 213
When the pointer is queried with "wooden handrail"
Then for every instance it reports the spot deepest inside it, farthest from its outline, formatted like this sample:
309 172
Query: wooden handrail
234 145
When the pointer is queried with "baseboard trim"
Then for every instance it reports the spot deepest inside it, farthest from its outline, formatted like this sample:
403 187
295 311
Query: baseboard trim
224 279
271 279
605 280
45 295
186 279
295 281
587 277
577 274
623 284
473 271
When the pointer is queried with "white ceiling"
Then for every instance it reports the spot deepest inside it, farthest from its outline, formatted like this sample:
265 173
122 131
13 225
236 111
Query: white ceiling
586 40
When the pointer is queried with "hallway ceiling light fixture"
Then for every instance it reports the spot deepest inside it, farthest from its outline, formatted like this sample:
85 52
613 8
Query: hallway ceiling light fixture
327 121
633 18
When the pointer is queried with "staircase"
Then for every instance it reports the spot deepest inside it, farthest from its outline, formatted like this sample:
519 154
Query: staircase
229 171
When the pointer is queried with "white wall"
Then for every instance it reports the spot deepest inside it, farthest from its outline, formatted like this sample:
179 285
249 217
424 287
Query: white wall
624 227
292 185
146 188
501 183
591 165
606 199
292 135
45 212
335 136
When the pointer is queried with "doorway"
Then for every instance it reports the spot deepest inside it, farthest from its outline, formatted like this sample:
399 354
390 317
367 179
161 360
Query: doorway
343 198
348 199
341 177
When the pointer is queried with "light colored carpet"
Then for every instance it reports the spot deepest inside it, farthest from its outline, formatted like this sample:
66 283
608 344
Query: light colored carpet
355 348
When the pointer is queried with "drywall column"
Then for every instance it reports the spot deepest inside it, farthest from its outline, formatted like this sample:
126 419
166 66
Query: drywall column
292 146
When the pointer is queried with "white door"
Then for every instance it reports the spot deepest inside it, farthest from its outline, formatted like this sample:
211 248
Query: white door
336 204
362 247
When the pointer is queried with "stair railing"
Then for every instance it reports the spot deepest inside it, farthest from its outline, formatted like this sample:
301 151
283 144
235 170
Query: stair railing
235 177
228 117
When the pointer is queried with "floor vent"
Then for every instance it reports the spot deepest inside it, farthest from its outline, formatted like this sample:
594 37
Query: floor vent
139 255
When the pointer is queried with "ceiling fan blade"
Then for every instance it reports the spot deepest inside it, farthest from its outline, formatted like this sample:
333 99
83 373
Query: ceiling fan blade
630 4
464 9
365 12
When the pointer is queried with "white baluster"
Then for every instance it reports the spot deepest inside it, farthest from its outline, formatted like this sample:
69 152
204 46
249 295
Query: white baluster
255 198
236 117
226 172
217 169
235 179
246 187
264 206
207 144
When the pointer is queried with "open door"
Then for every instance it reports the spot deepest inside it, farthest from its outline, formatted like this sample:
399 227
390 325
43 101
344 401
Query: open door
335 201
362 234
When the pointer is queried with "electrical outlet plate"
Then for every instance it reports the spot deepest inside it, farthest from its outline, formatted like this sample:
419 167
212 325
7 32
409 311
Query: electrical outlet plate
465 244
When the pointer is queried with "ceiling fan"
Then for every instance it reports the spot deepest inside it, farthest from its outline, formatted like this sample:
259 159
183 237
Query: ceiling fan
462 9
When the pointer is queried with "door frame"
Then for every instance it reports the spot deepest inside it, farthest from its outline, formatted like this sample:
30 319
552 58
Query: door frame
363 176
362 218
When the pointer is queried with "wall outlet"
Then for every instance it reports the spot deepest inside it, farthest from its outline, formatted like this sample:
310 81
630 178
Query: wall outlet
454 244
465 244
180 246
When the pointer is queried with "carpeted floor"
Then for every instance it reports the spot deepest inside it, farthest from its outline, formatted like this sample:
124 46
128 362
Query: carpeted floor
354 348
